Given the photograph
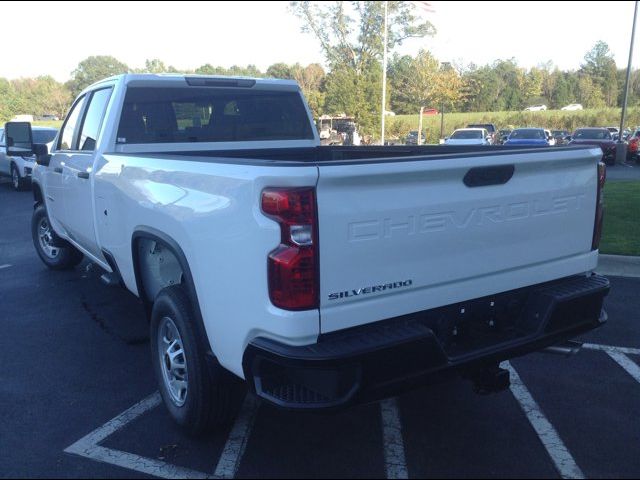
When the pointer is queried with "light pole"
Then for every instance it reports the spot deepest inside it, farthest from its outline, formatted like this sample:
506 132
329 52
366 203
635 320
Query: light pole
384 71
420 126
445 66
620 148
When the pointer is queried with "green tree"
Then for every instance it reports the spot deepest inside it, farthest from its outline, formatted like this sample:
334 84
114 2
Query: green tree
7 100
311 80
92 69
561 93
279 70
350 36
589 93
400 69
601 68
423 81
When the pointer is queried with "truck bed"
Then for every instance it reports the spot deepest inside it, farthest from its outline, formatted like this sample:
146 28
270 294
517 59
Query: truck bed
448 222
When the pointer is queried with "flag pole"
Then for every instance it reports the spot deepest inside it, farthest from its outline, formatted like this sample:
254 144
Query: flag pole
384 71
621 150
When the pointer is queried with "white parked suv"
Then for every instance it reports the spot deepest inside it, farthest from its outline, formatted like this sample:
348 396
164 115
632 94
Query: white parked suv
322 276
469 136
19 167
572 107
536 108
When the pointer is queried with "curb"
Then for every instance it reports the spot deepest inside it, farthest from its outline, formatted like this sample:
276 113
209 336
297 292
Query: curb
619 266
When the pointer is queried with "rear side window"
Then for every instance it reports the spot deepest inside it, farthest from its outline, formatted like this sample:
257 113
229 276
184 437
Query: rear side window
193 114
71 125
1 137
93 119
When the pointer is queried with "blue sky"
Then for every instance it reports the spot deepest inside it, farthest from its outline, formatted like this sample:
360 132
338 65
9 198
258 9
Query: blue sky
188 34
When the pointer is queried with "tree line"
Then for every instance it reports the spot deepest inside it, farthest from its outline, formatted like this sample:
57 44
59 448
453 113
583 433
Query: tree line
349 35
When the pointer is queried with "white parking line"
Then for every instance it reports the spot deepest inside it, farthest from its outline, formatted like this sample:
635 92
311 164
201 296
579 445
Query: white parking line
609 348
394 456
238 437
625 362
6 265
560 455
150 466
88 446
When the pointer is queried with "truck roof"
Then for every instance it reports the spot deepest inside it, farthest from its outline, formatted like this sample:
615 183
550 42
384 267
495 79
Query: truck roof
156 79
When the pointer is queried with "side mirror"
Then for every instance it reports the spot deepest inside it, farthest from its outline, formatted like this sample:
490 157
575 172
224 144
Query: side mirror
19 139
41 151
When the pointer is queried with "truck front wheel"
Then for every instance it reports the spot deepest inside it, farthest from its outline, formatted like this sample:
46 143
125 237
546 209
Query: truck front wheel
17 181
195 392
55 253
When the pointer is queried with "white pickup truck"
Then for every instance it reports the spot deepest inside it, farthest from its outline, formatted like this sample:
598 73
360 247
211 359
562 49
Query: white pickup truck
323 276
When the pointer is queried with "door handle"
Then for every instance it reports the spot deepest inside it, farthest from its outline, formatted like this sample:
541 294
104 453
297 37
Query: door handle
84 175
57 170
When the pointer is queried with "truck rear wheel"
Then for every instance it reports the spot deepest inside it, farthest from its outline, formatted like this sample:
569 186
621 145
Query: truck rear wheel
55 253
196 392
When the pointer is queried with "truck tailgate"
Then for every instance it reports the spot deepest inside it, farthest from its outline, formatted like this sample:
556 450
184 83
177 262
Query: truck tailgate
399 236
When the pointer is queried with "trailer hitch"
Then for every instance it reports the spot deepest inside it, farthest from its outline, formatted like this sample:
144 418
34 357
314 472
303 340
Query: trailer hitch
489 379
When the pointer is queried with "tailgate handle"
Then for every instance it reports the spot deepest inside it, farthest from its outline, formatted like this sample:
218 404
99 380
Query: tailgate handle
483 176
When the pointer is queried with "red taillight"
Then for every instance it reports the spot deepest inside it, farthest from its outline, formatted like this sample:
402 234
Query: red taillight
633 145
597 228
293 265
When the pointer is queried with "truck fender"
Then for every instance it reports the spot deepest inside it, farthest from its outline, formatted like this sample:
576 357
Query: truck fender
144 233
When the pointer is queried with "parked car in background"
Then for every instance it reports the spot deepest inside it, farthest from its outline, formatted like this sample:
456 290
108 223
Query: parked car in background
503 135
597 136
489 127
615 132
626 134
536 108
550 138
19 168
430 111
535 137
561 137
632 147
412 138
572 107
23 118
469 136
49 117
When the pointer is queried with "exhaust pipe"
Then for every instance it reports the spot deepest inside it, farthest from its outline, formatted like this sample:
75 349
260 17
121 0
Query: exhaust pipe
567 349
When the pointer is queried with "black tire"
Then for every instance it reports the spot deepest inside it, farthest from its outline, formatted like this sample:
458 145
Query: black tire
207 401
17 182
66 255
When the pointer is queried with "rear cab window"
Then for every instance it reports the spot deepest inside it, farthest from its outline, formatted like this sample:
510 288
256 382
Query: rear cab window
205 114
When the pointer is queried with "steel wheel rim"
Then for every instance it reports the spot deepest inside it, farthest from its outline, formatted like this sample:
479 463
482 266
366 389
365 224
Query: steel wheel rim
45 237
15 178
173 361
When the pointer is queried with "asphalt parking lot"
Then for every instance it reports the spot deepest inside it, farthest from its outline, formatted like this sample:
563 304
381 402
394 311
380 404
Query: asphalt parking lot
77 399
